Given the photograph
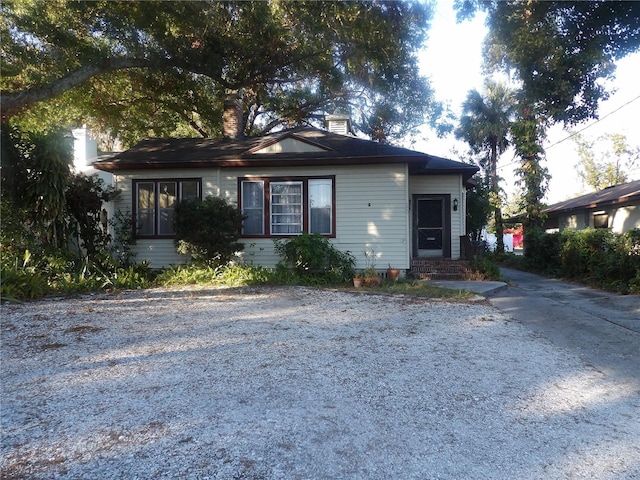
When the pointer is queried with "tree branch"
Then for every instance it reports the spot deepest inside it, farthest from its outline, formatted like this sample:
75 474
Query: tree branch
13 103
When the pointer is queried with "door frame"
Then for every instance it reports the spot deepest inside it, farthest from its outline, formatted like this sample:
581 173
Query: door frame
446 231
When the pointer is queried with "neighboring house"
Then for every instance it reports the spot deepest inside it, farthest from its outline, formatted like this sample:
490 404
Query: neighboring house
616 208
364 196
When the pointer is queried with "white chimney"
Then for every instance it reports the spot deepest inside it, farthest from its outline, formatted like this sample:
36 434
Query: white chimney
85 149
338 123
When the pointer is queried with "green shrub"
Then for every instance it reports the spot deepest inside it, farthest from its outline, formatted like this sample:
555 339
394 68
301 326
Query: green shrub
541 251
230 275
312 255
597 257
487 266
19 280
208 230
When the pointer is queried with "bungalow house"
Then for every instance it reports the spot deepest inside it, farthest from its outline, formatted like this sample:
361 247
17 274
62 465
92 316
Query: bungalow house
364 196
616 208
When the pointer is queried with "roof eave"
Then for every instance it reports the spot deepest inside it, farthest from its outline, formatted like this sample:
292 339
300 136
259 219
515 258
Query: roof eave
594 205
264 161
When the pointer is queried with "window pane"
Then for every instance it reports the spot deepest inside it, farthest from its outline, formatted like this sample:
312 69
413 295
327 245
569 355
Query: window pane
253 208
189 190
286 208
167 204
146 208
600 220
320 197
167 194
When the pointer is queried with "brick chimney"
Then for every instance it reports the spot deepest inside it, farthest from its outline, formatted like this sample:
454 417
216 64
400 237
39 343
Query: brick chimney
232 116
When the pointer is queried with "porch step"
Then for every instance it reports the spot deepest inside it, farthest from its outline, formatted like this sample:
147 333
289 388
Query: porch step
442 269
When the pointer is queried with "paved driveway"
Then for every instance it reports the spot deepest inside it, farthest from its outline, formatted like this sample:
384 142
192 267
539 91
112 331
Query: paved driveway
601 328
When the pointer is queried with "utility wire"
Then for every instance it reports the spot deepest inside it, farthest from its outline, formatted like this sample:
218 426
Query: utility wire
592 124
579 131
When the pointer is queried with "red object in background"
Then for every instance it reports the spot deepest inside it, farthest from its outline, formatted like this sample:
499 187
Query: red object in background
517 236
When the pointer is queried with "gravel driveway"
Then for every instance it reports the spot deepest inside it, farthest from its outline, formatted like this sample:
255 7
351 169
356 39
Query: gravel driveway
297 383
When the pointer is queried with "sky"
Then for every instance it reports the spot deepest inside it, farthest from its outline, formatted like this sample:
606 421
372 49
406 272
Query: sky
452 61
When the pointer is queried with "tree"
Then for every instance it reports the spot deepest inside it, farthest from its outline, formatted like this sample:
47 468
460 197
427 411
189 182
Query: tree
485 124
43 201
611 166
37 174
170 62
478 208
87 221
559 52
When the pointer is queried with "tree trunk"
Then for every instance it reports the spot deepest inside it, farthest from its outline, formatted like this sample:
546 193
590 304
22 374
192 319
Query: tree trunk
495 194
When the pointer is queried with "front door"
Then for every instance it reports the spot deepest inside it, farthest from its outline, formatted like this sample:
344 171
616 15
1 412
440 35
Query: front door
431 226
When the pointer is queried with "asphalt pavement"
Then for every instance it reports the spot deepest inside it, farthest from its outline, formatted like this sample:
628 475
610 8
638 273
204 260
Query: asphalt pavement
602 328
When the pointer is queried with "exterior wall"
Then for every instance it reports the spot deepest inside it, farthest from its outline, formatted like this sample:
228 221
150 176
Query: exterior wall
159 252
439 185
372 211
625 219
578 220
620 219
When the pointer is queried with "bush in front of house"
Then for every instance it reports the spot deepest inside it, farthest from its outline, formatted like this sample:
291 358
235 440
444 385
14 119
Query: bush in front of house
208 230
312 255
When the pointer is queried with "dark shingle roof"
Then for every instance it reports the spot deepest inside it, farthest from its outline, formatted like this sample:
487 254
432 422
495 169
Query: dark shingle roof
615 195
334 149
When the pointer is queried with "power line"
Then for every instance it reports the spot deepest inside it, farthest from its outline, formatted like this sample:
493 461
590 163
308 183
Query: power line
592 124
579 131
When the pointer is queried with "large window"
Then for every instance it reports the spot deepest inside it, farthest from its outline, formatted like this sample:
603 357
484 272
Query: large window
280 207
155 202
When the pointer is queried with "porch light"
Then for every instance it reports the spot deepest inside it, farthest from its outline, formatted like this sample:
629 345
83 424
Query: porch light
455 204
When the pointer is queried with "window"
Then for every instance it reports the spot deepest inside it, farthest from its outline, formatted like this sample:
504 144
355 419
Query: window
286 208
600 220
155 202
320 211
280 207
253 208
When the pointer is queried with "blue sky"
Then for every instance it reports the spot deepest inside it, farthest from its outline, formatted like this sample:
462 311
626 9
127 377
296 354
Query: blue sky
452 60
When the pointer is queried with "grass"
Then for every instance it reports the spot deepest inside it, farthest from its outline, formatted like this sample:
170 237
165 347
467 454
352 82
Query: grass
416 288
15 290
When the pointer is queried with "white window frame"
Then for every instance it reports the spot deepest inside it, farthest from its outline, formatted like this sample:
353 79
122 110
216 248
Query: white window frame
291 201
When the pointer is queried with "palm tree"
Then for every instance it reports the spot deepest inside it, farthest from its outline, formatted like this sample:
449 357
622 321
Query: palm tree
484 125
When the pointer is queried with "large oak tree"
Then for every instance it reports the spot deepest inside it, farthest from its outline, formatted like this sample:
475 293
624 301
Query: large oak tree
163 67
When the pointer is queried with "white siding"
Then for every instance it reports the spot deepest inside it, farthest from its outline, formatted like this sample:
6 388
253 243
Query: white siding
621 219
625 219
290 145
443 185
371 211
159 253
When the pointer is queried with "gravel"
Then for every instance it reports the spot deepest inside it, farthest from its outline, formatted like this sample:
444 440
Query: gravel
298 383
